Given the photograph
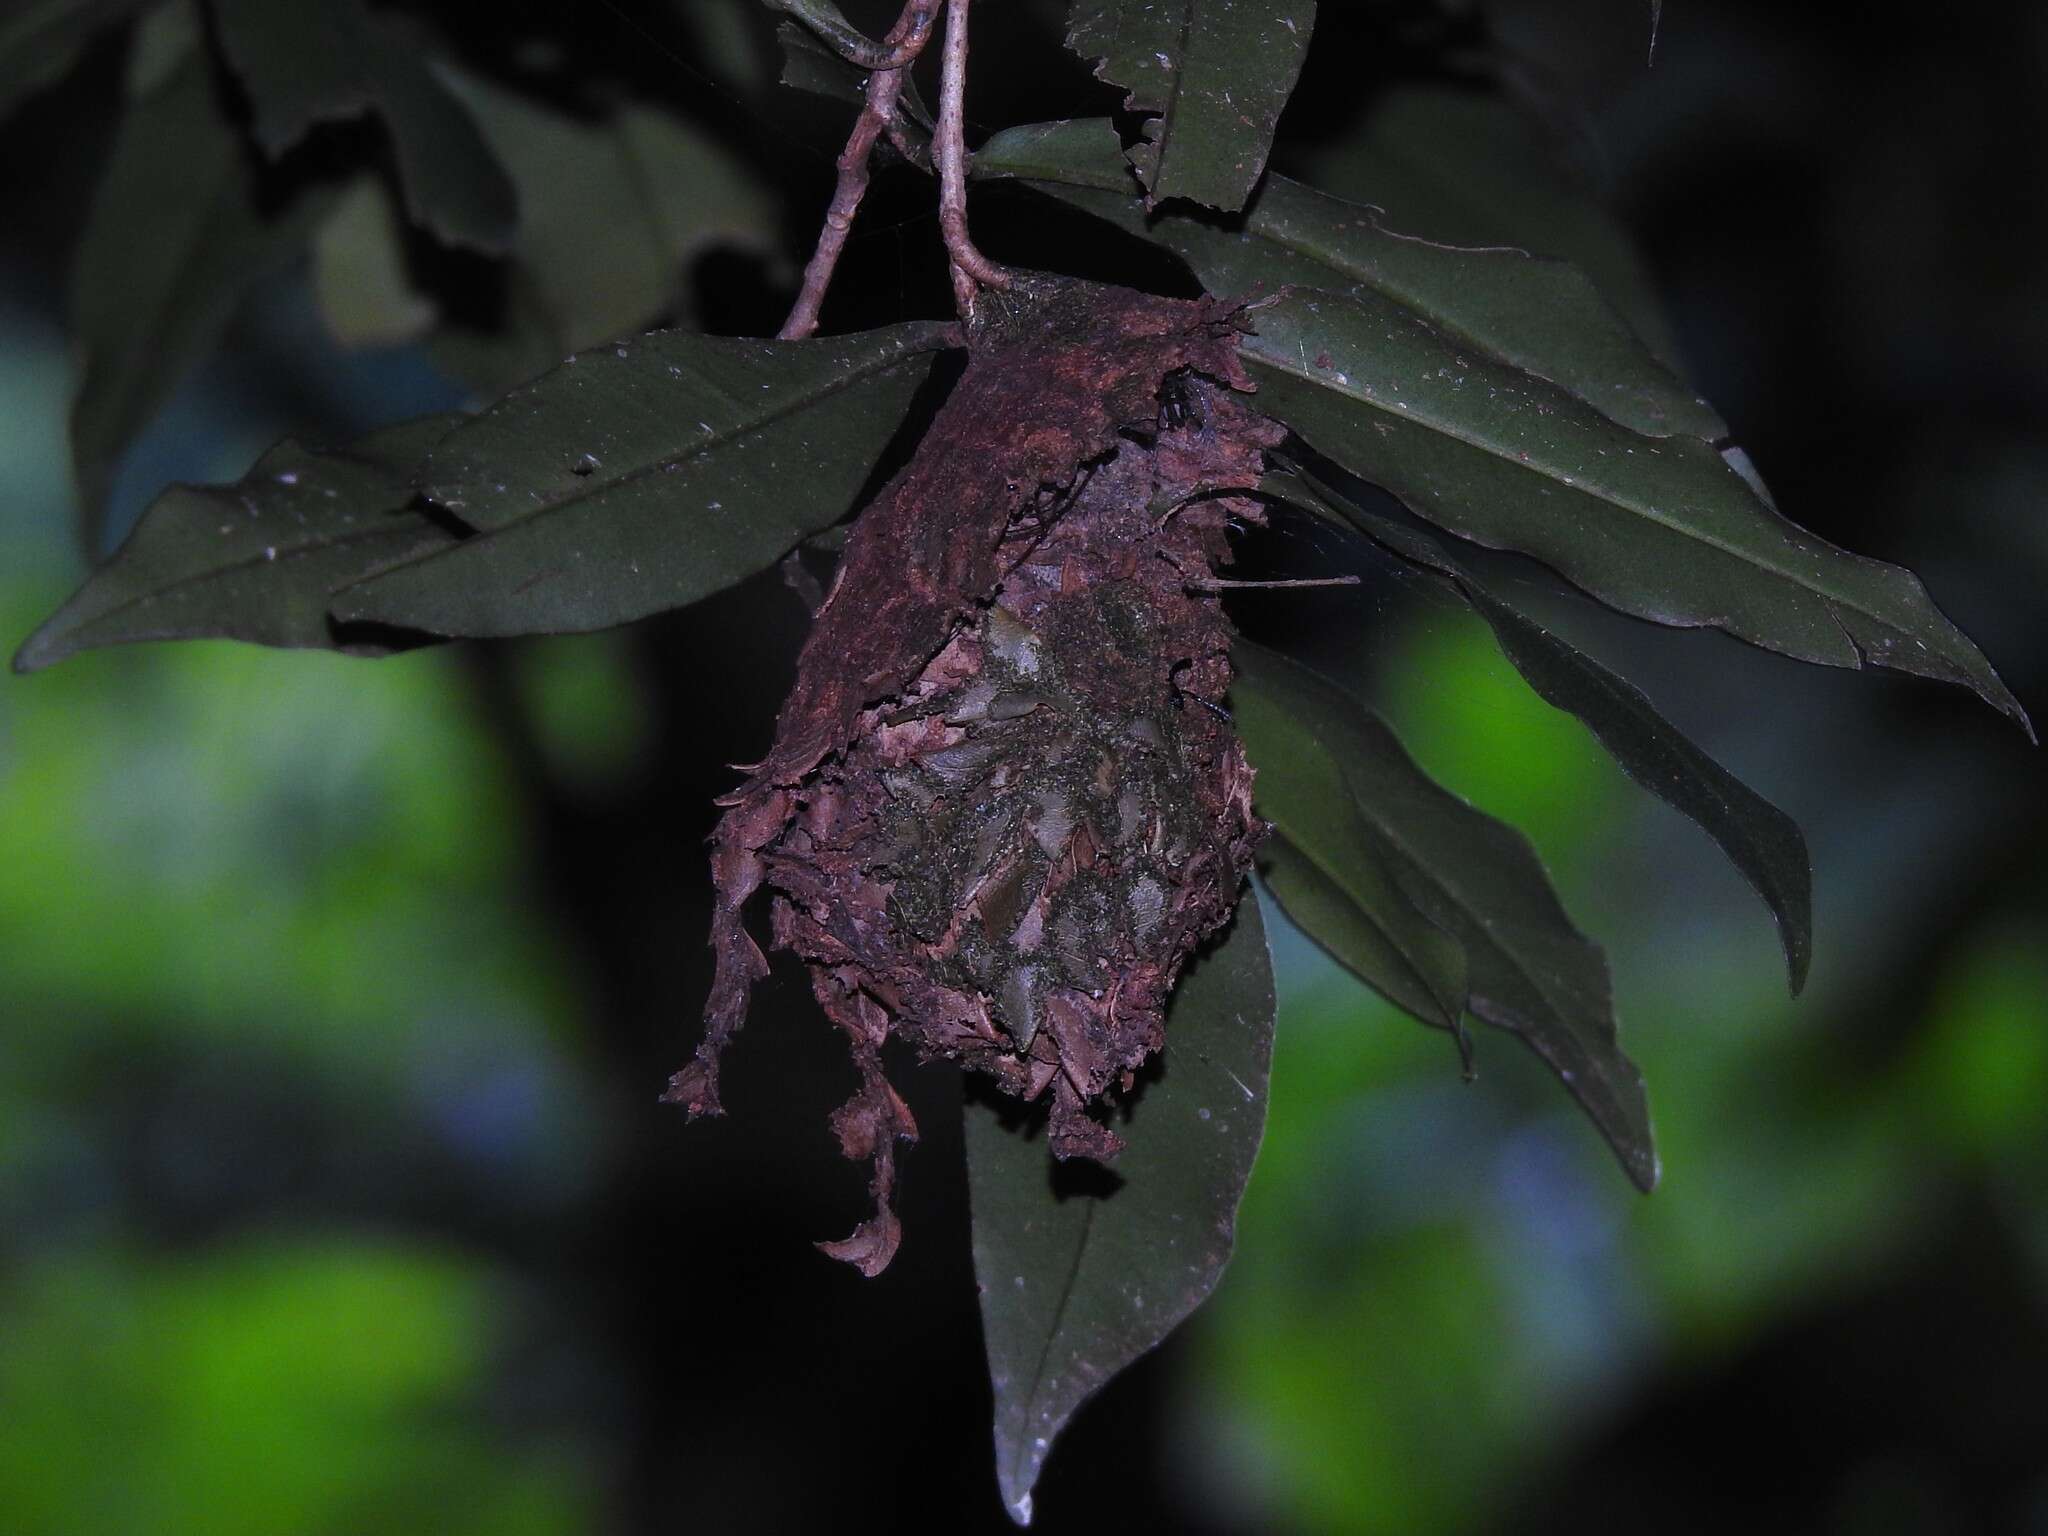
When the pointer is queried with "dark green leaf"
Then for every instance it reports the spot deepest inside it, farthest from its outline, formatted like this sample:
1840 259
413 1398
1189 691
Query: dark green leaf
1212 75
643 476
173 242
1761 840
1528 970
1326 910
1078 1279
1537 315
1662 528
41 39
317 61
1330 868
256 560
655 190
1471 168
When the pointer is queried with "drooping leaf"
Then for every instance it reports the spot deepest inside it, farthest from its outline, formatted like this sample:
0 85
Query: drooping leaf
643 476
1328 865
318 61
1528 970
1759 839
1541 316
1212 77
41 39
259 559
1080 1274
611 214
1662 528
1329 913
174 240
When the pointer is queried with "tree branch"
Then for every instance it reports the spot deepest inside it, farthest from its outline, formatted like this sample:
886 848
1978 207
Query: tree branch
824 22
878 110
971 270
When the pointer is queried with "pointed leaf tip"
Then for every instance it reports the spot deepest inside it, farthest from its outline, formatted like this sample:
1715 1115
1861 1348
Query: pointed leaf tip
259 559
637 477
1661 528
1763 843
1528 969
1077 1284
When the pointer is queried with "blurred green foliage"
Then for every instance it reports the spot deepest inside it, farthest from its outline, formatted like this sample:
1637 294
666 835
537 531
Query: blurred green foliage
323 1383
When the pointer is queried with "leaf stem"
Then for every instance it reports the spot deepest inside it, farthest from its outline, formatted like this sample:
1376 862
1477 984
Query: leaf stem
878 110
972 271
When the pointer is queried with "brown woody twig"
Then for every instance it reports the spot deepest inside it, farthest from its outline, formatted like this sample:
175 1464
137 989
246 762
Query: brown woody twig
971 269
825 23
878 110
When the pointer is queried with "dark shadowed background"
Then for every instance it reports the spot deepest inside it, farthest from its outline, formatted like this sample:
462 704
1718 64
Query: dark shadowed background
335 996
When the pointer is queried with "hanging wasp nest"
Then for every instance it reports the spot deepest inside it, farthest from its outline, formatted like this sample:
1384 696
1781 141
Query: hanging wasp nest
1004 804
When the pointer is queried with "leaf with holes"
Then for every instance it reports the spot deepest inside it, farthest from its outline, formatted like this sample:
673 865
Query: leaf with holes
1082 1272
643 476
1211 77
259 559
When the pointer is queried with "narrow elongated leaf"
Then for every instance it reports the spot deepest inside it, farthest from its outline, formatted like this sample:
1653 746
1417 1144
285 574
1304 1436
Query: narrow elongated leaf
1528 970
173 242
1473 168
317 61
1081 1274
41 39
646 475
1325 909
259 559
1759 839
1541 316
1662 528
1328 866
1213 76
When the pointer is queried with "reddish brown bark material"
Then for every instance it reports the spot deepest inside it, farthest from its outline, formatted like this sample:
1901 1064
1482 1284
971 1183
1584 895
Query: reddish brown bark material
1003 804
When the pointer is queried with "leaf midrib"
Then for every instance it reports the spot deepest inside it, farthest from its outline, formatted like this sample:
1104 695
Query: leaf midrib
1167 122
1028 1443
1329 873
1699 536
717 444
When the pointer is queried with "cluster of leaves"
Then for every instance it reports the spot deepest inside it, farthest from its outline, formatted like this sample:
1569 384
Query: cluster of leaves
1497 395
